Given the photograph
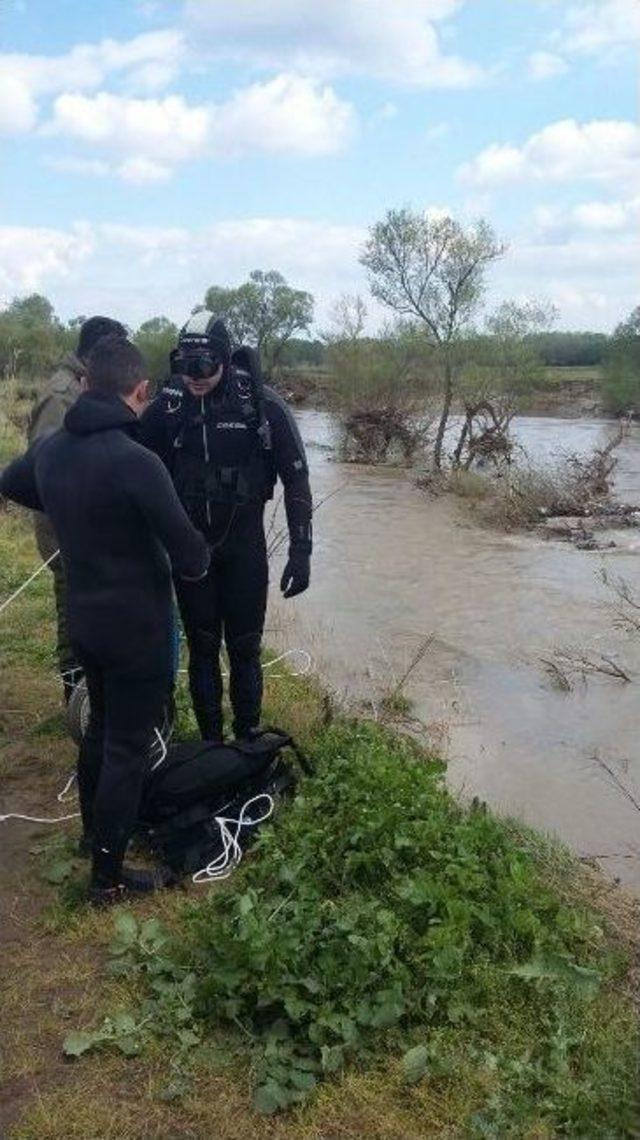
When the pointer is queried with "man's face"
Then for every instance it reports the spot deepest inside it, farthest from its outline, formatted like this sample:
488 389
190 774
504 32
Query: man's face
201 385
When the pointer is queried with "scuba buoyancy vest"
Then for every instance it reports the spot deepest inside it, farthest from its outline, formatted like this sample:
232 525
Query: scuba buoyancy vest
199 783
219 455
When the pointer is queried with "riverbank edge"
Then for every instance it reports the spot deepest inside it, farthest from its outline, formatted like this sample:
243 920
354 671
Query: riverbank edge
572 393
56 949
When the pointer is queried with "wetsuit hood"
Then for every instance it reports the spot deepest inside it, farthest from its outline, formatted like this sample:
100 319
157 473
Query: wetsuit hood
203 334
98 411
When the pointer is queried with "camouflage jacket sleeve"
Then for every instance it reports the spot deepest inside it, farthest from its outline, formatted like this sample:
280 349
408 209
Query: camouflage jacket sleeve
61 394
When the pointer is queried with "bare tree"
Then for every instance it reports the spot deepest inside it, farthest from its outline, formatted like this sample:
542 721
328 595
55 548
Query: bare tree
498 369
348 317
433 270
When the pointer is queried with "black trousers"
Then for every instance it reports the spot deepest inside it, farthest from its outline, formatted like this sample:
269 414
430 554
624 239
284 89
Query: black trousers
127 705
230 602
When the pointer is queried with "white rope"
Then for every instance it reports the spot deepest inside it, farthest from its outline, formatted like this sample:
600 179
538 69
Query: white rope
302 672
163 749
306 666
62 796
231 854
16 593
38 819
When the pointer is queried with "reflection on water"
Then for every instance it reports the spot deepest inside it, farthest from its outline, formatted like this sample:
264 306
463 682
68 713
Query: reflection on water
392 566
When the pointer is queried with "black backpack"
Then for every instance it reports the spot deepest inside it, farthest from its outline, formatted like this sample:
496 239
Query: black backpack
204 803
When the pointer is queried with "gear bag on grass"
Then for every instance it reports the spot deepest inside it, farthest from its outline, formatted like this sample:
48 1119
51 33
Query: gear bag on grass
200 783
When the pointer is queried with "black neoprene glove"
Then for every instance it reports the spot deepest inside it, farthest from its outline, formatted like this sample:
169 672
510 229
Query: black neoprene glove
296 574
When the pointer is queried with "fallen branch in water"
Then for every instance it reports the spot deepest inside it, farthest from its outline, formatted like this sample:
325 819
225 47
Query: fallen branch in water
558 677
566 662
415 661
626 608
615 780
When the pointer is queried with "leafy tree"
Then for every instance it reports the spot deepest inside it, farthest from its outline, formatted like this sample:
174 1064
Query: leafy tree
431 270
300 352
155 339
630 329
35 310
621 385
32 339
265 312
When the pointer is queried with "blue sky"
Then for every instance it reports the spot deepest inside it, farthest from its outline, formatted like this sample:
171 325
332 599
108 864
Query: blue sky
153 148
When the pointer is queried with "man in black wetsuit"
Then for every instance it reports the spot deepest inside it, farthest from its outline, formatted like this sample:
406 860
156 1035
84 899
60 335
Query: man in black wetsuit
226 439
47 416
118 521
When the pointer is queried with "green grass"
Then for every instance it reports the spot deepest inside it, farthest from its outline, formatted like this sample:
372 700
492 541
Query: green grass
569 374
379 920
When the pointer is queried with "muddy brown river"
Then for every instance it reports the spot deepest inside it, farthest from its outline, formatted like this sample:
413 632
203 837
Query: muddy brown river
392 566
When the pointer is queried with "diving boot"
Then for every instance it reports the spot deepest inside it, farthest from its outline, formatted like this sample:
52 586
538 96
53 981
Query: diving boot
133 882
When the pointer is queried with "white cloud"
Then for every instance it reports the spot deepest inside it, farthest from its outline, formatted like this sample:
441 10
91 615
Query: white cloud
608 216
288 113
545 65
34 258
596 29
557 223
583 256
133 127
601 27
143 63
135 272
18 108
395 42
146 138
605 150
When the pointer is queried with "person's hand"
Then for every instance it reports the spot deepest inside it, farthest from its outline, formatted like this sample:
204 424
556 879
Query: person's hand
296 574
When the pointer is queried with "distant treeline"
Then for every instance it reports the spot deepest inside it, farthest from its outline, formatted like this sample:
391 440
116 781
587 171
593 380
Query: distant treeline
33 339
555 349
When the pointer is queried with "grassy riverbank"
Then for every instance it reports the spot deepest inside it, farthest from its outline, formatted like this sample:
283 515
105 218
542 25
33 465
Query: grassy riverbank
560 391
377 917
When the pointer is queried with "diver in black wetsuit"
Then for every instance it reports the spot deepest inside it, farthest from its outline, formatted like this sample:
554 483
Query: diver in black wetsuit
119 521
226 439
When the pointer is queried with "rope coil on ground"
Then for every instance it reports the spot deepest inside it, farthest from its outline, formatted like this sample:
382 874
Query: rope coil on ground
231 854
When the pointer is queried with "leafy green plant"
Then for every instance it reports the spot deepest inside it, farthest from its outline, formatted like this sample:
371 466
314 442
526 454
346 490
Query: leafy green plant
138 949
378 908
378 917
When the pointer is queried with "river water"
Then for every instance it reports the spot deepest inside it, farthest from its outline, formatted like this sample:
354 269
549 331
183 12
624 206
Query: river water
392 566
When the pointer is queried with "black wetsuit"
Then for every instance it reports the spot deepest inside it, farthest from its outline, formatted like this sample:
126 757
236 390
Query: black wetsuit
224 476
117 517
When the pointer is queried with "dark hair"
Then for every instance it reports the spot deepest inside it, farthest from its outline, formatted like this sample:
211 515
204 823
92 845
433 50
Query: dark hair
115 366
93 329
